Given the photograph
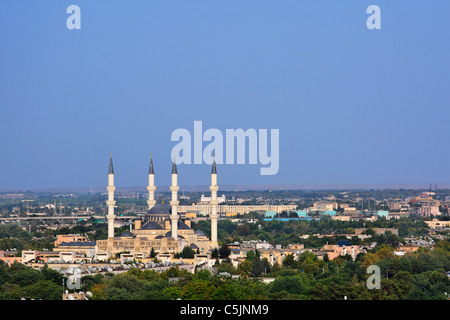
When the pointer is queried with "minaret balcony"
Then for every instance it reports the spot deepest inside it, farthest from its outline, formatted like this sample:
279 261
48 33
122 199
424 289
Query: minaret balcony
110 203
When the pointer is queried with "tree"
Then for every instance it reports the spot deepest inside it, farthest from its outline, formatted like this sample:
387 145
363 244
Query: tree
187 253
224 251
198 290
291 284
43 289
245 267
123 287
215 254
290 262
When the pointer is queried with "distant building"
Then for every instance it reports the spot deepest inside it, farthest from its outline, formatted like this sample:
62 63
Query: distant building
325 206
191 215
341 217
408 248
426 199
377 231
426 211
270 214
9 257
231 214
382 213
350 210
88 248
301 213
435 224
69 238
341 248
207 200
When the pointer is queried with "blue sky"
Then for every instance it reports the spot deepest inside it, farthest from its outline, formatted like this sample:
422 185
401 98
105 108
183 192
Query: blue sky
353 105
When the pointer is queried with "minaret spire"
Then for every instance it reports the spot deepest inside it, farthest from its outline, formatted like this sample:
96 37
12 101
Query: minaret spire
174 203
151 170
214 169
111 168
151 185
174 166
214 216
111 203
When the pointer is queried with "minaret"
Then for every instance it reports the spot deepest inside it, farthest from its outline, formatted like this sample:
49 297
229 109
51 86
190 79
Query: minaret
110 202
214 187
174 203
151 185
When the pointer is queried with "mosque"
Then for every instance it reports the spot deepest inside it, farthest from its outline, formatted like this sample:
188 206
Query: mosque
161 228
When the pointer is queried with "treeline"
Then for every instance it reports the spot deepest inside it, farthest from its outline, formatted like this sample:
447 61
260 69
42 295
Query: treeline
414 276
22 282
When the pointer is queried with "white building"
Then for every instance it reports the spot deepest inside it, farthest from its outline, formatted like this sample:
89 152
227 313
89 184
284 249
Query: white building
204 199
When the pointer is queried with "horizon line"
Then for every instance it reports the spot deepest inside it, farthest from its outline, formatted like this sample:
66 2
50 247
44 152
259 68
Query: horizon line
247 187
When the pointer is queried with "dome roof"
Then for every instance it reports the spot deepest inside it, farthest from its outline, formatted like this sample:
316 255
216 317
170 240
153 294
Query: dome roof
182 225
169 234
160 209
193 246
199 233
127 234
151 225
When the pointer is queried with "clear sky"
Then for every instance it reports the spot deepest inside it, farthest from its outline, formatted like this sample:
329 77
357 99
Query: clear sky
352 105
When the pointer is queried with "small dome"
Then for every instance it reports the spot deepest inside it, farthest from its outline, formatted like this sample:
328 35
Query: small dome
169 234
199 233
127 234
193 246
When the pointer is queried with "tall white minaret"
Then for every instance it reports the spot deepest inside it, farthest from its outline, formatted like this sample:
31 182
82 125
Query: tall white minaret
214 187
174 203
110 202
151 185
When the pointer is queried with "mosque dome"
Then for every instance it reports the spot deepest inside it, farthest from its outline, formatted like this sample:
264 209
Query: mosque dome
127 234
169 234
193 246
151 225
160 209
199 233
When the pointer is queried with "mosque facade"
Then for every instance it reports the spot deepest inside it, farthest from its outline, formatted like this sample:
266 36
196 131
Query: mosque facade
161 229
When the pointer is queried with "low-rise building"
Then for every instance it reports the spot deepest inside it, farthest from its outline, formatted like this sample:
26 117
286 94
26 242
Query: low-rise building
69 238
341 248
427 211
9 257
409 247
436 224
